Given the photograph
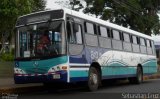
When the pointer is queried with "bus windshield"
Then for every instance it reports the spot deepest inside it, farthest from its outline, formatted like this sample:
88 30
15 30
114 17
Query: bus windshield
39 40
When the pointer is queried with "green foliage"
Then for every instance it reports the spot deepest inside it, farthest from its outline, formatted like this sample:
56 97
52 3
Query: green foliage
38 5
76 3
139 15
10 10
98 4
7 57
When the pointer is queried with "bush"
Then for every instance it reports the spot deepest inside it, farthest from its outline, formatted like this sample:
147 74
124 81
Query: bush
7 57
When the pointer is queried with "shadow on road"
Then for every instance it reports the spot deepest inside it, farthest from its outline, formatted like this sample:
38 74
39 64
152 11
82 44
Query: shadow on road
77 91
78 88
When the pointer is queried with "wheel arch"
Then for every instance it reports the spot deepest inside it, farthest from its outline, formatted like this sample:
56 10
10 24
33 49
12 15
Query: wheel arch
98 67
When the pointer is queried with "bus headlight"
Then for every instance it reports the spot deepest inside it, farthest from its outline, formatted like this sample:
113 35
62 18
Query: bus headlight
51 70
57 68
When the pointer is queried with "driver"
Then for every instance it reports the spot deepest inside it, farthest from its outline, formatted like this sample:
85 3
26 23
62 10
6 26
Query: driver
44 41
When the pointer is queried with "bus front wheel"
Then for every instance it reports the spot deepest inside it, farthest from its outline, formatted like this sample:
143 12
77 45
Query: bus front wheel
93 79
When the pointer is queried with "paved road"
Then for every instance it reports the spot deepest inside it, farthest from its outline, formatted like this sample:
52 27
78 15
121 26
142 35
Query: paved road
108 91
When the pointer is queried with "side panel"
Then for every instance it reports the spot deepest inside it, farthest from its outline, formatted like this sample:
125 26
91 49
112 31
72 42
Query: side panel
124 64
114 63
78 67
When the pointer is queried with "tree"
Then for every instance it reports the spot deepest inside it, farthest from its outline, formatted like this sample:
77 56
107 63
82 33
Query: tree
76 5
9 12
95 7
71 4
139 15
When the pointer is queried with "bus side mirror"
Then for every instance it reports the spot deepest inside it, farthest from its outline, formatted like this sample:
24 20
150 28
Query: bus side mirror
75 27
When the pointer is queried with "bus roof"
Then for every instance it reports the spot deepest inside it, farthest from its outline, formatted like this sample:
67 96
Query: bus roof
96 20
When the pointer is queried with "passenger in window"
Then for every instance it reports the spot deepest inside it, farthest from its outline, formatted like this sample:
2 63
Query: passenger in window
44 42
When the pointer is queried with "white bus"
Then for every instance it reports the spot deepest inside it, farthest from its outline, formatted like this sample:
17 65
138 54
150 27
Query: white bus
80 48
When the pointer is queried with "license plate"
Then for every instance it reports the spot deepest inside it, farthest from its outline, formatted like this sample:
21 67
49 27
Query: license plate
56 76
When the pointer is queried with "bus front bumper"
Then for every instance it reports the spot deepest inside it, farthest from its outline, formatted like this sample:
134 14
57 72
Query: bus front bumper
60 76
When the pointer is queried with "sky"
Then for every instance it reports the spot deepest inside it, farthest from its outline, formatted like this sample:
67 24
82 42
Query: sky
51 5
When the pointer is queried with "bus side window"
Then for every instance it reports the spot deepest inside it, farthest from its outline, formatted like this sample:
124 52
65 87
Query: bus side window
131 39
116 35
69 32
121 36
126 37
135 40
74 31
103 31
77 35
109 32
138 40
142 42
90 28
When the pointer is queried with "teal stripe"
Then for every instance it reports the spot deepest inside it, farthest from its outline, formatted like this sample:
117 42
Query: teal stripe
43 65
117 67
118 70
79 73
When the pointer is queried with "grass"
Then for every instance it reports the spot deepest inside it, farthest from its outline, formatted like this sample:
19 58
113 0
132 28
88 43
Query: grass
6 69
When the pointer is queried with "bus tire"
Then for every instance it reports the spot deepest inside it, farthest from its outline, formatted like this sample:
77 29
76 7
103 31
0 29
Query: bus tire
139 77
93 79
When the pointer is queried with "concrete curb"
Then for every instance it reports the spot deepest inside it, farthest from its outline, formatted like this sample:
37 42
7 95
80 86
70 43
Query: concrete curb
154 76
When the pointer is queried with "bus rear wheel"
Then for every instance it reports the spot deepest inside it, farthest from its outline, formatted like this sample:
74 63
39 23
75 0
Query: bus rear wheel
139 77
93 79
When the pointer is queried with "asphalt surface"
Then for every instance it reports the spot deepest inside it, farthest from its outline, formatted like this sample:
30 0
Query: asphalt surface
110 90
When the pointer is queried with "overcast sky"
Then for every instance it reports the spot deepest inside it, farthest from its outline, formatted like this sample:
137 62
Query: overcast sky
51 4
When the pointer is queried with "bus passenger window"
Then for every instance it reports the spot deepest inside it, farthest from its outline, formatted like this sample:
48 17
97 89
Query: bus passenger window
134 38
148 43
109 32
142 41
68 31
126 37
78 35
103 31
116 35
74 33
89 28
138 40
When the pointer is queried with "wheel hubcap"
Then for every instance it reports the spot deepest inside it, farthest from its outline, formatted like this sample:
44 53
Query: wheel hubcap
93 79
140 76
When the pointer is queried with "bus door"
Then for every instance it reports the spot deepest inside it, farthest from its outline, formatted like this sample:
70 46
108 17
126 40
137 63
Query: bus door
75 42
